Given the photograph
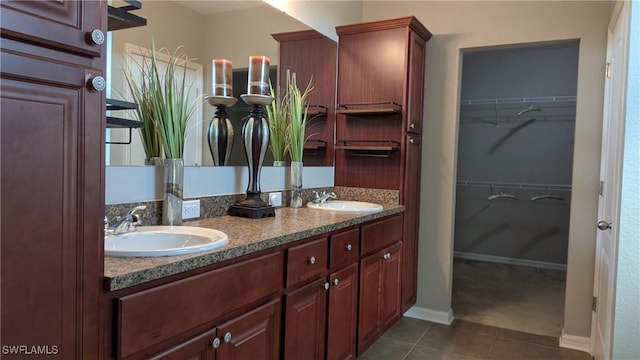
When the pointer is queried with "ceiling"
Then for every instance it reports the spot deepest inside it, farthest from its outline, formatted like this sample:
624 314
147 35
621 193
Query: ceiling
208 7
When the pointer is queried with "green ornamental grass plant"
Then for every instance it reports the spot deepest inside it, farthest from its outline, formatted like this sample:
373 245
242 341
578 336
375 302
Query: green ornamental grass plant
163 99
277 116
298 111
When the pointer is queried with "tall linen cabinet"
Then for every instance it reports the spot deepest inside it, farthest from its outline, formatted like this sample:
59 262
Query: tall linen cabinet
379 120
52 140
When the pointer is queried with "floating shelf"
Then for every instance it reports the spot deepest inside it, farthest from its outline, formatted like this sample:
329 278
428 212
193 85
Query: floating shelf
116 122
119 18
315 145
369 148
317 110
370 108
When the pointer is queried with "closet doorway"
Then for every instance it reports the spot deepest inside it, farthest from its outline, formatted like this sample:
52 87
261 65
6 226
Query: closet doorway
513 193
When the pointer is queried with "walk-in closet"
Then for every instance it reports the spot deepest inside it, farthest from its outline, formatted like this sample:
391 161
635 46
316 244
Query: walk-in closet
514 167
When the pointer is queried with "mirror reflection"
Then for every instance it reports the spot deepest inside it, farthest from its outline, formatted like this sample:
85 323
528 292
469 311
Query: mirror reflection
205 30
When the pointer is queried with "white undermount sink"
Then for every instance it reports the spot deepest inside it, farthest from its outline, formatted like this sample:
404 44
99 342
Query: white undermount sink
164 241
345 206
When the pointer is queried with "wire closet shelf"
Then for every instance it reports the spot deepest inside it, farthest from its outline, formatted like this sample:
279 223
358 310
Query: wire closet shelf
514 185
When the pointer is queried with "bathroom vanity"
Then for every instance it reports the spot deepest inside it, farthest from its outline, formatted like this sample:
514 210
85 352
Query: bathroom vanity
303 285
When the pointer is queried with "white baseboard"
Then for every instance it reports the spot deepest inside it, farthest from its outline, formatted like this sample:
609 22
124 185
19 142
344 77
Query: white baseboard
575 342
440 317
510 261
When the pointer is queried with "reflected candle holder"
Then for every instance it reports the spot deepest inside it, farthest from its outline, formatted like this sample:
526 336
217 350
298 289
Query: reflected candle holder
220 131
255 134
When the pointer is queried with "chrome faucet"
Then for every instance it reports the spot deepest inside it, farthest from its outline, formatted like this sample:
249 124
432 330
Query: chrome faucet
127 223
322 198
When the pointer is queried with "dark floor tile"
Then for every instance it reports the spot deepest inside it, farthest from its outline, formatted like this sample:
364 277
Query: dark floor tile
387 349
450 340
475 327
509 349
408 329
526 337
424 353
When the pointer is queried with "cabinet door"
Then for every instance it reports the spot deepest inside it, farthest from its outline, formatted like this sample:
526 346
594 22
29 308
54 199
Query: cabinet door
370 269
63 24
305 318
198 348
390 286
411 199
416 83
342 314
255 335
52 167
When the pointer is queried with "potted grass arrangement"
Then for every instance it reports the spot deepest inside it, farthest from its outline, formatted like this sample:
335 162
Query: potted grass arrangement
297 109
278 119
162 95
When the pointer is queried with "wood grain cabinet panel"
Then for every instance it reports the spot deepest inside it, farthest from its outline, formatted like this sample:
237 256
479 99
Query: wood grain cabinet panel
150 317
51 131
342 314
345 248
305 322
63 24
381 233
254 335
379 294
306 261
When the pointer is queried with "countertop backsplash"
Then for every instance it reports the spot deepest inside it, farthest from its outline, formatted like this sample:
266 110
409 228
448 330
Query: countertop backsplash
214 206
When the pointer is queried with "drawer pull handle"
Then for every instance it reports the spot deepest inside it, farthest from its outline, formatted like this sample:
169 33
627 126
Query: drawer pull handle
98 83
326 286
215 343
412 126
336 282
411 140
227 337
387 256
312 260
349 247
97 37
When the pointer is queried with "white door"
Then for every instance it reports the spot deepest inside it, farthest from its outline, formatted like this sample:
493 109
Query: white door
610 177
133 154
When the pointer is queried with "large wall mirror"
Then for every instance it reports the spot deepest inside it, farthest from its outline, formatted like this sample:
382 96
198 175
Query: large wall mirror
205 30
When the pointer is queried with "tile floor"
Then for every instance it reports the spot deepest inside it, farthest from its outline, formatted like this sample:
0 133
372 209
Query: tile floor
413 339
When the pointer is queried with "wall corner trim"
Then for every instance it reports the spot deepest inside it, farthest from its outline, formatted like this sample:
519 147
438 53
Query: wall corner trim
579 343
440 317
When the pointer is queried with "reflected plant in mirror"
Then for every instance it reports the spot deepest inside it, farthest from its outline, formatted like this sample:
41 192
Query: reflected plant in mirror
277 117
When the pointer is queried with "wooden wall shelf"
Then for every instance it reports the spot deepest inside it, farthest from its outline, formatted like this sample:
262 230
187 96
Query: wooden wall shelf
370 148
370 108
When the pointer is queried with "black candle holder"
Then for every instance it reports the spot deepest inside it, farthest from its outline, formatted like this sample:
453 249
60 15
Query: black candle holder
220 131
255 133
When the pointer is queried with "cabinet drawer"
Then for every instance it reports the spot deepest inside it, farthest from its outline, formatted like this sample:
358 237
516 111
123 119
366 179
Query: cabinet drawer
156 315
306 261
382 233
345 248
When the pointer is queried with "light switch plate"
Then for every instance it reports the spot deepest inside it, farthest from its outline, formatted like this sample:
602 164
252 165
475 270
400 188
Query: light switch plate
275 199
190 209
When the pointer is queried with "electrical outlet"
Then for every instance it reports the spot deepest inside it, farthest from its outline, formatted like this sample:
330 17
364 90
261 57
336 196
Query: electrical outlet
275 199
190 209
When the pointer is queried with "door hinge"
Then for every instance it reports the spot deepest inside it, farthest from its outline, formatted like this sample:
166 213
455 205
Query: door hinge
594 304
601 188
607 70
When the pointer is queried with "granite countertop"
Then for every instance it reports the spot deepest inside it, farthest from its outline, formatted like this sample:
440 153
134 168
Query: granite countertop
245 236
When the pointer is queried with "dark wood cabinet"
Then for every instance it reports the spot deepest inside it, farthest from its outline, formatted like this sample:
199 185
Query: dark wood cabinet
312 56
379 294
321 317
63 25
52 140
379 120
305 321
342 314
254 335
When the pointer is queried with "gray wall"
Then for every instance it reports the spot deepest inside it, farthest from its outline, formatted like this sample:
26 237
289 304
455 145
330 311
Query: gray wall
459 25
497 145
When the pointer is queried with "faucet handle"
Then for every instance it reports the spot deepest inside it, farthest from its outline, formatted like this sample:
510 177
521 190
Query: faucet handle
141 207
